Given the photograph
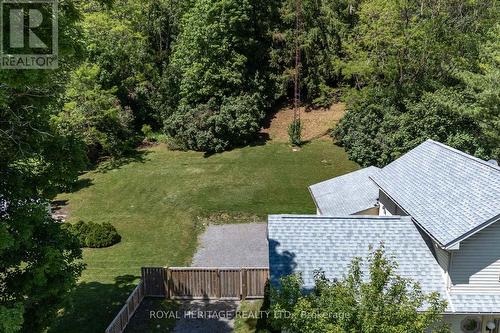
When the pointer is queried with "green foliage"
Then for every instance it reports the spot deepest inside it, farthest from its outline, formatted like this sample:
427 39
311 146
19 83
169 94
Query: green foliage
326 27
38 259
178 70
134 56
147 131
406 60
11 318
295 132
39 262
219 63
210 127
95 115
94 235
481 96
375 132
382 301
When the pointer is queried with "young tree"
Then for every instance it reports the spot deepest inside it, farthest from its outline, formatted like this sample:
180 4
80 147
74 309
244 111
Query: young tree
380 302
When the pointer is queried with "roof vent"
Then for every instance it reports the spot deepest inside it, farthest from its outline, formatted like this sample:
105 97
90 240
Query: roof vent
493 162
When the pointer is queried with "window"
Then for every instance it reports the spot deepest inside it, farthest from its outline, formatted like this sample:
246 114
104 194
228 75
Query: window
471 325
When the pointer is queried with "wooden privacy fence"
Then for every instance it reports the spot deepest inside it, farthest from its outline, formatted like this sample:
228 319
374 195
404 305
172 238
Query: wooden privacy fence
127 311
205 282
154 281
192 283
215 283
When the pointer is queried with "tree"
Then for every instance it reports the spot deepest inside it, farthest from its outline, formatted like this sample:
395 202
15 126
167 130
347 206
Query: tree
403 58
325 29
375 132
95 115
481 93
39 262
211 127
380 302
219 61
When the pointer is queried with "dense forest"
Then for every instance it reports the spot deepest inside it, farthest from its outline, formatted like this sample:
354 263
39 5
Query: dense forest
204 74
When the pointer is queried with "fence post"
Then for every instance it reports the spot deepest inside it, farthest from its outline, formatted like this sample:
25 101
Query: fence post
167 283
219 292
244 286
241 283
144 279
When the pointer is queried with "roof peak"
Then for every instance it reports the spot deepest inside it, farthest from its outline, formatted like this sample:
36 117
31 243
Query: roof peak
461 153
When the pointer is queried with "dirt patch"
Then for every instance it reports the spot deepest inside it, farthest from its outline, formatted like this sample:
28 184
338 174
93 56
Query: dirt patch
60 210
317 123
229 218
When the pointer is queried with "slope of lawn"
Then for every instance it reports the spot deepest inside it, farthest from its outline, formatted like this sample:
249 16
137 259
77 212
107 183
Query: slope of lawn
160 202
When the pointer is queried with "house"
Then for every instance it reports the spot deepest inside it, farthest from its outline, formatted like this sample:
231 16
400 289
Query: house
436 209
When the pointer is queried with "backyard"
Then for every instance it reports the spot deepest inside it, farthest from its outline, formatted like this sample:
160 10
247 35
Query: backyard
161 200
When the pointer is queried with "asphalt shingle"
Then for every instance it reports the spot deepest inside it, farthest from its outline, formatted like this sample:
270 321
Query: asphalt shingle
449 193
347 194
308 243
475 303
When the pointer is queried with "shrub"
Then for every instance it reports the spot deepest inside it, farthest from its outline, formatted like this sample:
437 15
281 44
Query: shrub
295 132
101 235
147 131
94 235
212 127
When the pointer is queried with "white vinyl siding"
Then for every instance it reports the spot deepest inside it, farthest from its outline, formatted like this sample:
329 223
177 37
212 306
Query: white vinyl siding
476 265
383 211
388 206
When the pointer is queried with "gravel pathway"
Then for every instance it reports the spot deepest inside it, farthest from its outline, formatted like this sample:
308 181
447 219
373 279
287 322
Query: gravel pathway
233 245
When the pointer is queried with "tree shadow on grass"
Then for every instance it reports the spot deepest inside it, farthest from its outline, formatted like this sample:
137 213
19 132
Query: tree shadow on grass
259 139
136 156
80 184
93 305
156 315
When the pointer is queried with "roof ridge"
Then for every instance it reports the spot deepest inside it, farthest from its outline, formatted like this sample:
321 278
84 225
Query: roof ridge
348 217
345 175
461 153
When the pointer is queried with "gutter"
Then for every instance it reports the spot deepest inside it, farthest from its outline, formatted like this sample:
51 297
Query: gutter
472 232
315 202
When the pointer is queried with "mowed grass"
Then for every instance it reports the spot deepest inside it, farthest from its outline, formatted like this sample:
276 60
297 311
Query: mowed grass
159 202
248 319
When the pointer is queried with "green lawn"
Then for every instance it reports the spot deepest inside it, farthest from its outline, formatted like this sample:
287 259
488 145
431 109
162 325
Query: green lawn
248 319
160 202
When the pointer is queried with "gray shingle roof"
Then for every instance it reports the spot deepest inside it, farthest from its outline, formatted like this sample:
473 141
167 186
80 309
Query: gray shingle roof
449 193
474 303
347 194
299 243
308 243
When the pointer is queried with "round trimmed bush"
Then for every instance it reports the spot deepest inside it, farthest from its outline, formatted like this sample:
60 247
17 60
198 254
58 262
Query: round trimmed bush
101 235
95 235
